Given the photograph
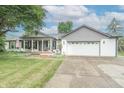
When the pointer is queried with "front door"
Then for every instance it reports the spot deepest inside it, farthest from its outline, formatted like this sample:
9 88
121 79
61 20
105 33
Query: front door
45 45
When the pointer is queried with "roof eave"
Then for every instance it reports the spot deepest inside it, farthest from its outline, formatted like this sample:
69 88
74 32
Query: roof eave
88 28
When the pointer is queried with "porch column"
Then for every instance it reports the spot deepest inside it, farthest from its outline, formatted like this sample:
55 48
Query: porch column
57 44
37 45
50 44
42 45
32 45
24 45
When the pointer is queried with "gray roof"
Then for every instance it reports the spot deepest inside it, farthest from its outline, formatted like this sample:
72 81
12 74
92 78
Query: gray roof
92 29
60 35
40 34
11 38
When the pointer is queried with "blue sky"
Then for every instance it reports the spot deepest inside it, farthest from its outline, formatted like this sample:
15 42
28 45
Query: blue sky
97 16
101 9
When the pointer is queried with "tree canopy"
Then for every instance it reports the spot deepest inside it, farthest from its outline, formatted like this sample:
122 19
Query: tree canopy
116 29
2 43
64 27
115 26
30 17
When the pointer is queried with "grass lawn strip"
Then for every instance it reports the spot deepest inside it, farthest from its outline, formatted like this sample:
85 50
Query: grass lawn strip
20 71
14 79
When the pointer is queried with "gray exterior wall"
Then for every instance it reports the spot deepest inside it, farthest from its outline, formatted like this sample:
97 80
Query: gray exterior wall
84 34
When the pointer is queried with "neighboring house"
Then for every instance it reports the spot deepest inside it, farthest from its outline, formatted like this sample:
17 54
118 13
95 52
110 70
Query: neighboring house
83 41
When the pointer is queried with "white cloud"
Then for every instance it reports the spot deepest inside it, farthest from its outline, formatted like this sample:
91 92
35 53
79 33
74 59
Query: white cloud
119 16
64 13
51 30
90 20
79 15
121 7
67 11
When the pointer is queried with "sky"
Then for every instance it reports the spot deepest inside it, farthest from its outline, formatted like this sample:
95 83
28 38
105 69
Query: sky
96 16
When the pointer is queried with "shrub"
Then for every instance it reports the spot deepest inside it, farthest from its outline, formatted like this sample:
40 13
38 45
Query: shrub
2 44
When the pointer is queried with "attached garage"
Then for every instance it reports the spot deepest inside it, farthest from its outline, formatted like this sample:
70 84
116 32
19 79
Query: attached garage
87 41
83 48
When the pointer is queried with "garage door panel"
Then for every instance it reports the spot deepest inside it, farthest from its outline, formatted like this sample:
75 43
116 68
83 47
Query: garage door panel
83 48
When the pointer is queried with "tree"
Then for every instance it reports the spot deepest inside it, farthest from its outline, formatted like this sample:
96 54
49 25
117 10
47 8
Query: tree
30 17
64 27
2 43
115 27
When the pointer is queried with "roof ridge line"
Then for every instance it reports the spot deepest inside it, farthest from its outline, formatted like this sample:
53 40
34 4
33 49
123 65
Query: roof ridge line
93 29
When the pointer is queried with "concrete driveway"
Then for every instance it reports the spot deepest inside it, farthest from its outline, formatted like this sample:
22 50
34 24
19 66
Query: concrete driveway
89 72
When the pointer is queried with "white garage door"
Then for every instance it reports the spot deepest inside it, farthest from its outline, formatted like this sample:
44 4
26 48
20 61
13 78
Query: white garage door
83 48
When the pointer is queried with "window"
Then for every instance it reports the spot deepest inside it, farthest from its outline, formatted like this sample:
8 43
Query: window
80 42
88 42
92 42
28 44
34 44
77 43
85 43
103 42
72 42
12 44
54 44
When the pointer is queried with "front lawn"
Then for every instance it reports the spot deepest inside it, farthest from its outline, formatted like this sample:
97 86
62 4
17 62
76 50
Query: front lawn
121 53
17 70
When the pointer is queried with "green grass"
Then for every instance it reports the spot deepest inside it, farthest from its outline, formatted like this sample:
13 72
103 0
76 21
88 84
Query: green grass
121 53
16 70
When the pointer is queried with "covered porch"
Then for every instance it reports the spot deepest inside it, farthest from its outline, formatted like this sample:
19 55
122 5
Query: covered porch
38 45
32 43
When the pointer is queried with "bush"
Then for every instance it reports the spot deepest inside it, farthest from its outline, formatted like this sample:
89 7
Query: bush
2 44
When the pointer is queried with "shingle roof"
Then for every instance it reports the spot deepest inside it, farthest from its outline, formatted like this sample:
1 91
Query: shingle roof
40 34
92 29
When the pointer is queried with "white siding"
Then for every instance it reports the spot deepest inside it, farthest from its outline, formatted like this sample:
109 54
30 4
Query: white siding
6 45
80 48
108 47
64 47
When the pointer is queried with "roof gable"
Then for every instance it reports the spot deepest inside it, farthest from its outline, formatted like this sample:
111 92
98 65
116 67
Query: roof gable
90 28
85 33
